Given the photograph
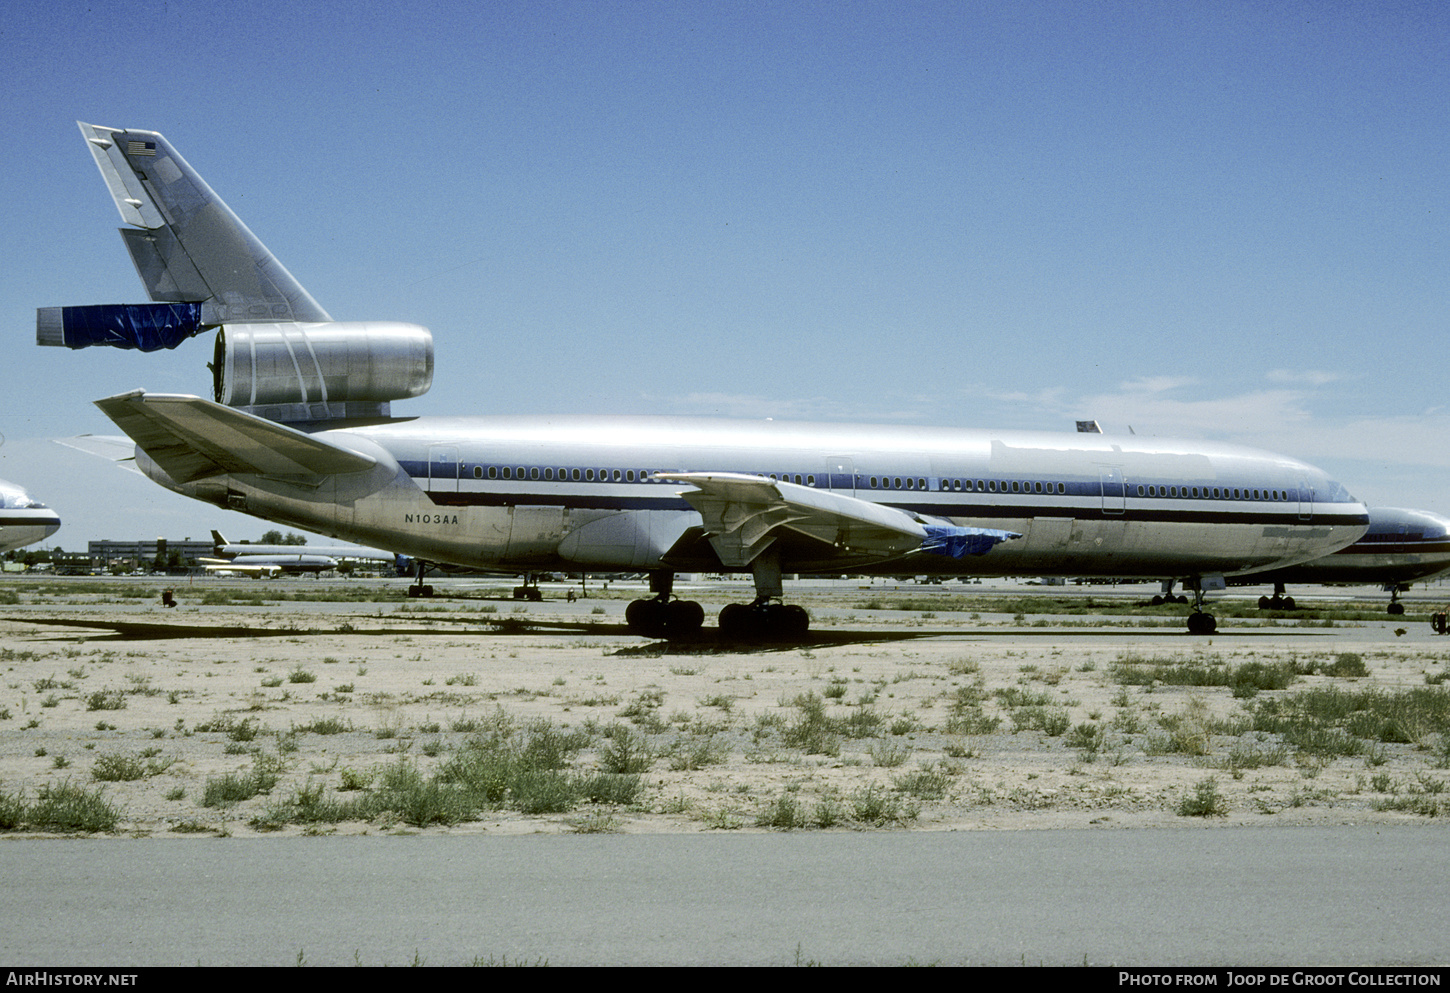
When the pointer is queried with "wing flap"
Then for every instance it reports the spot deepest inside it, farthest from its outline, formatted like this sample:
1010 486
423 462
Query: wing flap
191 438
744 515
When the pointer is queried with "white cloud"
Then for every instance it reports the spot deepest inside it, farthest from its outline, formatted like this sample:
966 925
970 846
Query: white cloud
1308 377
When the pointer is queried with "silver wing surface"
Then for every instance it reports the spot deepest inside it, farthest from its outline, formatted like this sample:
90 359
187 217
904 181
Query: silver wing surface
191 438
745 515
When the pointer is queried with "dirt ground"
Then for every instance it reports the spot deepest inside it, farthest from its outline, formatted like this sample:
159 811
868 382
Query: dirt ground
967 719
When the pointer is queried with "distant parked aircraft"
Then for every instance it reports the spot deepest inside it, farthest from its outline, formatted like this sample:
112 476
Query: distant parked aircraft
23 520
1400 547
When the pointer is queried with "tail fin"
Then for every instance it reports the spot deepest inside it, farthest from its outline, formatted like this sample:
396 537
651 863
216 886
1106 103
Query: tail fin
187 245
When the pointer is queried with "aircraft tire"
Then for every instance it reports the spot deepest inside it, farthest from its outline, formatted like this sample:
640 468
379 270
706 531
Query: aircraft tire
1265 603
734 621
791 621
1395 608
1202 624
684 618
646 617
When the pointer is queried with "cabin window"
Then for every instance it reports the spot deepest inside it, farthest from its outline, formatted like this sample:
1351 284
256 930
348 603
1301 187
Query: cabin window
898 482
991 486
1036 487
478 472
811 479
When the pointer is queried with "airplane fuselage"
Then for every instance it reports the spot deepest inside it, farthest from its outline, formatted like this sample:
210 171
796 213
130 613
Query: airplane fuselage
1399 547
536 493
23 521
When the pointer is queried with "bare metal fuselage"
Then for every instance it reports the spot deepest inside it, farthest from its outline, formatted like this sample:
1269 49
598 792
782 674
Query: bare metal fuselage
543 493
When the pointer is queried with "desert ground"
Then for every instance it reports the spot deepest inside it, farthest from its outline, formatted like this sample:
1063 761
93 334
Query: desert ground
299 706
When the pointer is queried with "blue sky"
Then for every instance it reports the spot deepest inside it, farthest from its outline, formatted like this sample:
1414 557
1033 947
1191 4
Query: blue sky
1218 220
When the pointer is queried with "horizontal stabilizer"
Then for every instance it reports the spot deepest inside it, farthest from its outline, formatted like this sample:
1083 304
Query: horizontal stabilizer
191 438
144 326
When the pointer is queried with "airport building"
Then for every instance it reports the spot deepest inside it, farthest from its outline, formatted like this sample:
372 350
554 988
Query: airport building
128 556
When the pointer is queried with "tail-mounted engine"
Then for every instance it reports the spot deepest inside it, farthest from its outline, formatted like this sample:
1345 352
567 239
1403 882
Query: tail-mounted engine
316 372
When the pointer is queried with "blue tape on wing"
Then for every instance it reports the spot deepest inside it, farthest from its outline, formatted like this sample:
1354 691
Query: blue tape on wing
958 542
145 326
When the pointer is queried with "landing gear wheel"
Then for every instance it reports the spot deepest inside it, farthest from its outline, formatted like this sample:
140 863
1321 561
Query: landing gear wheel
684 618
764 622
664 619
1395 608
420 589
1202 624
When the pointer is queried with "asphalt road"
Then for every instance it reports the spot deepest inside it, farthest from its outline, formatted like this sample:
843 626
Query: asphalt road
1191 896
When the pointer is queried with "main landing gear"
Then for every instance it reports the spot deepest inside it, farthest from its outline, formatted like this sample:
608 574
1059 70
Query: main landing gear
1167 595
663 617
765 618
762 620
1278 601
530 590
418 588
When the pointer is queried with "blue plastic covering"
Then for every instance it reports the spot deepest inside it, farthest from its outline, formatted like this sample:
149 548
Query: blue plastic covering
145 326
959 542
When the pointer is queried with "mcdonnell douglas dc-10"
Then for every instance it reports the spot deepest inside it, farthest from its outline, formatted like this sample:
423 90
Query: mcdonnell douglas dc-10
300 432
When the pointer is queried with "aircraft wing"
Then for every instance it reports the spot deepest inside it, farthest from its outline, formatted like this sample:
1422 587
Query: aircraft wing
744 515
191 438
111 447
